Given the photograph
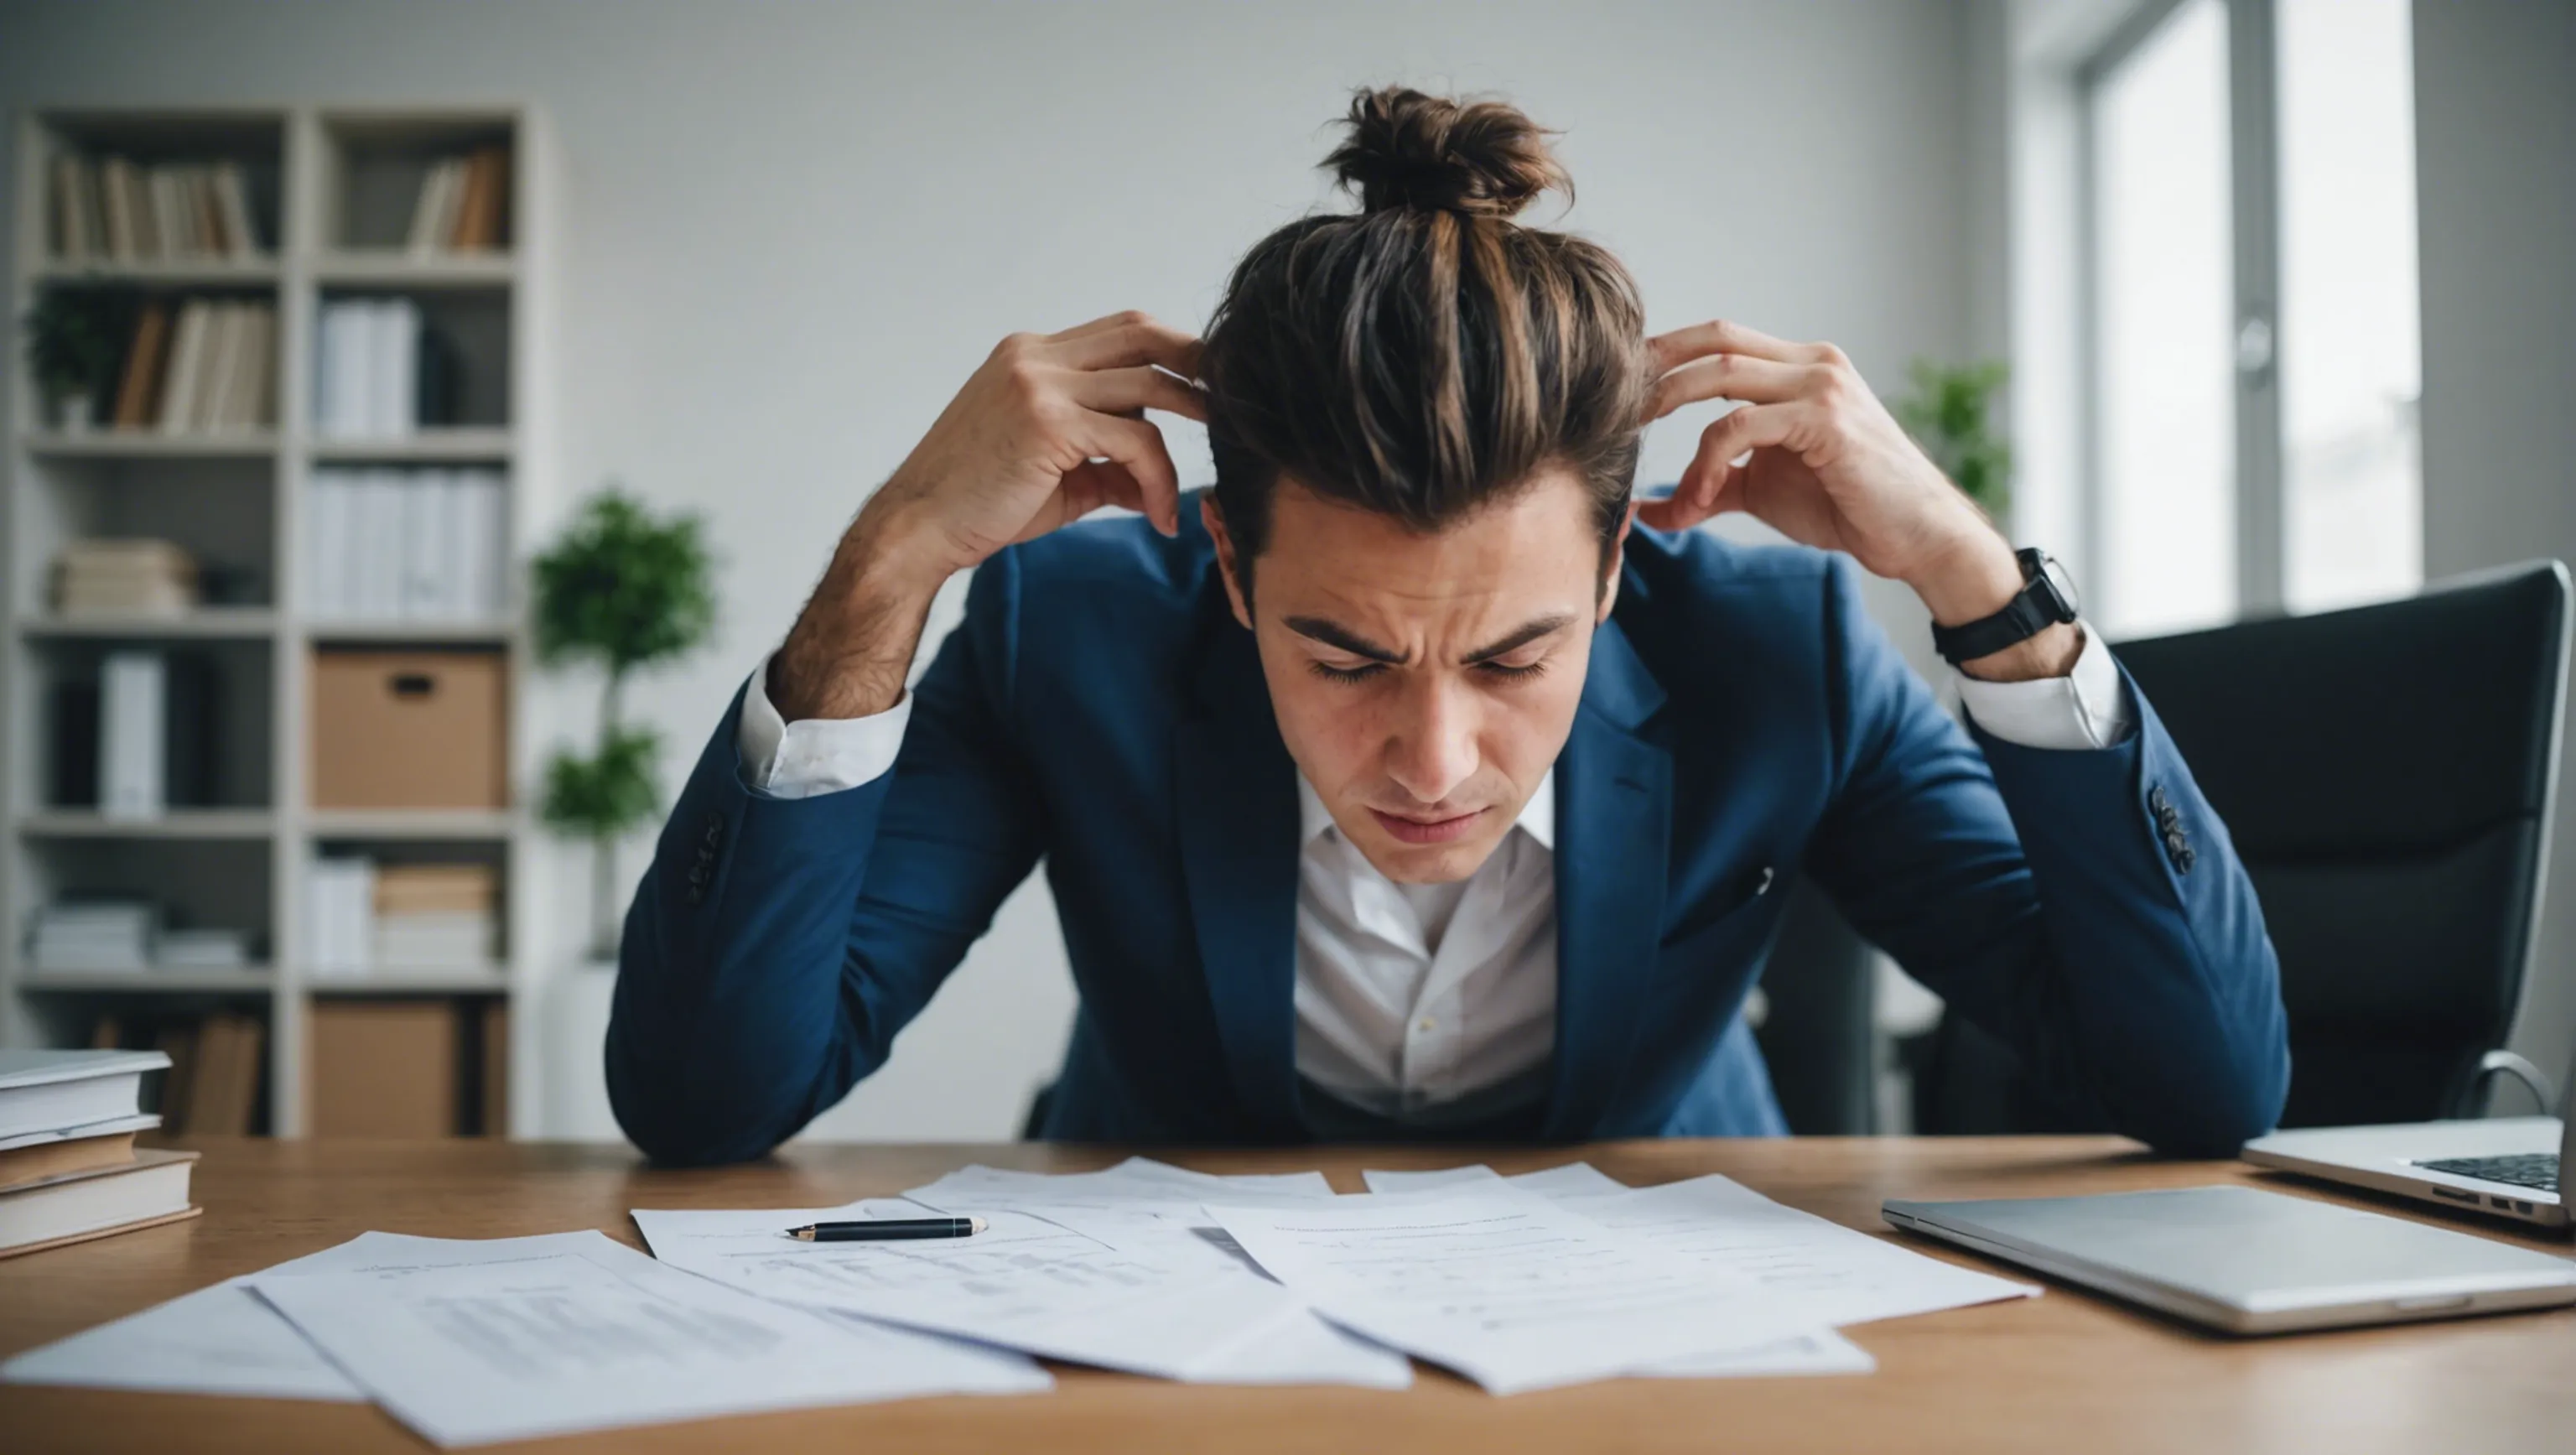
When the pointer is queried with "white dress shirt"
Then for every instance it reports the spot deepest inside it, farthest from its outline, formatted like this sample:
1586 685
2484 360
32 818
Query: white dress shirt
1414 997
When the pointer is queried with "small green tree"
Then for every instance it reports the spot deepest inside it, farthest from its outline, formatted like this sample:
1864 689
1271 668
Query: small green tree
1947 415
75 336
629 591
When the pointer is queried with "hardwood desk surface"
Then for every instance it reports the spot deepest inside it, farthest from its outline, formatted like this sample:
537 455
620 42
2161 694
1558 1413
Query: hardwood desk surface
2066 1371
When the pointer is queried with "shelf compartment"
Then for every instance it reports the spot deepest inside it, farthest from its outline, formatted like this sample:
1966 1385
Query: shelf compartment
140 444
250 980
453 444
410 983
397 824
219 622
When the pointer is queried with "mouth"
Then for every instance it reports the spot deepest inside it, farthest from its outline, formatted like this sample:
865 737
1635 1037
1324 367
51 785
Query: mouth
1427 831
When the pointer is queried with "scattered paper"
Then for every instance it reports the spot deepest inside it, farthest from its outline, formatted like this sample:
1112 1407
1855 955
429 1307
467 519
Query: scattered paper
1571 1182
544 1343
1142 1294
1833 1274
1506 1287
219 1340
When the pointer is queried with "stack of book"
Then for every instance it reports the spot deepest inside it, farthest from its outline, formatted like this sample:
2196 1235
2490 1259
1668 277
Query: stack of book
462 203
435 916
378 373
93 935
101 577
201 949
210 367
388 544
113 210
69 1170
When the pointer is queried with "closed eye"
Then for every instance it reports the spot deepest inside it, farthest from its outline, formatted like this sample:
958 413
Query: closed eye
1331 673
1511 673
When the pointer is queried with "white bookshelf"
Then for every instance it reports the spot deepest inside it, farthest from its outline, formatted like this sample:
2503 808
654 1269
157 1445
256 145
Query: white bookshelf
329 183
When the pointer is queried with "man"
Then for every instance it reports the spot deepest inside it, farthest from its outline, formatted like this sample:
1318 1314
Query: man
1403 787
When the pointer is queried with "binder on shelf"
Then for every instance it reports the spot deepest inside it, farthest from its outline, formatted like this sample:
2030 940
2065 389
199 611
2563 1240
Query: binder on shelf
133 687
390 544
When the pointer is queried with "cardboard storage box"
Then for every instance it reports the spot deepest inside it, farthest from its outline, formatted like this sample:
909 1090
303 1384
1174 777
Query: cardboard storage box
384 1068
409 730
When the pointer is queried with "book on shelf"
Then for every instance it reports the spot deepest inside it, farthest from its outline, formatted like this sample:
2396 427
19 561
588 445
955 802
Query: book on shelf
218 372
114 210
105 576
461 204
405 544
93 935
138 389
436 916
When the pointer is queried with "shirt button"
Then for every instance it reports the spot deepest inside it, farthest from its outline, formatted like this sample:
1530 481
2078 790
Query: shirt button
1426 1025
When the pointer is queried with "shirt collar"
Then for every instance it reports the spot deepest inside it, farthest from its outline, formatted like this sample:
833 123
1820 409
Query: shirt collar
1538 816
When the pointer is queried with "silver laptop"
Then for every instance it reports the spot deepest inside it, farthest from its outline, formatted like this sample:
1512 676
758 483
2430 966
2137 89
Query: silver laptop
2247 1261
2504 1167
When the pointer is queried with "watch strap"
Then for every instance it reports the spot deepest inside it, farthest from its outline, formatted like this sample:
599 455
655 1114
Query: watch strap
2033 609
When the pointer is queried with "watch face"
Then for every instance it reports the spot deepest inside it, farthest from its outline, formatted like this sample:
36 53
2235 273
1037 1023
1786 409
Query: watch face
2054 571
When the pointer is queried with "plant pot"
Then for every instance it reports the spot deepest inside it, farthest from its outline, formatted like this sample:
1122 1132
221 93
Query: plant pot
71 413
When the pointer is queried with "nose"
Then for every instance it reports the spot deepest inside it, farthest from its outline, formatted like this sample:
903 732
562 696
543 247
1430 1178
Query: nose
1432 748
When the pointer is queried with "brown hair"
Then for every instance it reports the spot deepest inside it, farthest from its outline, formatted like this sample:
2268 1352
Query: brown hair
1426 356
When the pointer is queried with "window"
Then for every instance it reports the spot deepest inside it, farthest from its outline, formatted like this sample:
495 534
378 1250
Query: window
2165 446
2350 355
2251 286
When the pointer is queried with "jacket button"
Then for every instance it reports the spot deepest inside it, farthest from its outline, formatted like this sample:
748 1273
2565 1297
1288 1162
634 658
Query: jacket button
2157 800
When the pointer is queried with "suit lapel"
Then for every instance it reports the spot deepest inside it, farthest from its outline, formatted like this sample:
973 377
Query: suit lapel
1613 826
1237 804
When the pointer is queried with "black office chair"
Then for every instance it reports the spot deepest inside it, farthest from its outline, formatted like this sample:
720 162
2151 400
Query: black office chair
2387 774
1819 1029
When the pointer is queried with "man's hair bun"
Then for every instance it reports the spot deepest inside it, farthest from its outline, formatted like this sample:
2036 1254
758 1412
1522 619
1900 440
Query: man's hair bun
1406 149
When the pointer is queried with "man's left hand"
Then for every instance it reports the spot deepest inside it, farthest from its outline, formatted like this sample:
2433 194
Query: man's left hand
1824 463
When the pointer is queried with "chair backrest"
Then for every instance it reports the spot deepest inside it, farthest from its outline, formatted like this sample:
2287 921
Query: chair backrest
1819 1023
2386 773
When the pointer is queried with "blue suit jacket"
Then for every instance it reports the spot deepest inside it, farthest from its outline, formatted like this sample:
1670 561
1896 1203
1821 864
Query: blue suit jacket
1101 712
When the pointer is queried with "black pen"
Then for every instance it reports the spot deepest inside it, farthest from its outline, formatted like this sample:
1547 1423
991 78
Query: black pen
881 1230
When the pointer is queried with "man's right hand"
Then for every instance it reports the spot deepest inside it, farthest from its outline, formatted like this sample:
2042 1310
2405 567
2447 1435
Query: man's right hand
1050 429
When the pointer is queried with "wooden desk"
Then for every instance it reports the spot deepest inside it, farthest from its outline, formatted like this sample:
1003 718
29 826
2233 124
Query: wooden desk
2066 1371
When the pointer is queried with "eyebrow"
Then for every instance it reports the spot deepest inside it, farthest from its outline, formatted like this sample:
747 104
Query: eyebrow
1316 628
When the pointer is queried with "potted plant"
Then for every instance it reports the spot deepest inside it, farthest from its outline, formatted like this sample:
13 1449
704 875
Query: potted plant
1946 414
74 339
629 591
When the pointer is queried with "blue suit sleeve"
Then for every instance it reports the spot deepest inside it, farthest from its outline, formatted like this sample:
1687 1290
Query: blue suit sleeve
776 946
2030 888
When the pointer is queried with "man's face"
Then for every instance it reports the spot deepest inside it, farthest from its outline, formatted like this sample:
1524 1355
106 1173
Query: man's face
1424 684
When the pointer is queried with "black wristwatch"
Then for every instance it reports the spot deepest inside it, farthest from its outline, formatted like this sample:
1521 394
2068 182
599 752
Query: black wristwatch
2047 598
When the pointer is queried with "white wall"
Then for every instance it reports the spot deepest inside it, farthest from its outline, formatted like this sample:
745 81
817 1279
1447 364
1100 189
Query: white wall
793 229
2495 157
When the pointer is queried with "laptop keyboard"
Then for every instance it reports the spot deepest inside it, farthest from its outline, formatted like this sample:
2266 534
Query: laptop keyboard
2535 1170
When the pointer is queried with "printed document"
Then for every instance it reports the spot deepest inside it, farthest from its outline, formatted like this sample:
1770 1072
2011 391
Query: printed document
548 1343
1833 1274
1145 1294
1506 1287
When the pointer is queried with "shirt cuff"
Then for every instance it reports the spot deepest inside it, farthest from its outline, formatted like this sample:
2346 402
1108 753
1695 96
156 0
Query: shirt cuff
2086 708
814 756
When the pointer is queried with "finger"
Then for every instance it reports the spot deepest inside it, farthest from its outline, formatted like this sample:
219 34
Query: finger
1748 377
1689 504
1672 350
1137 447
1102 324
1117 391
1126 345
1753 427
